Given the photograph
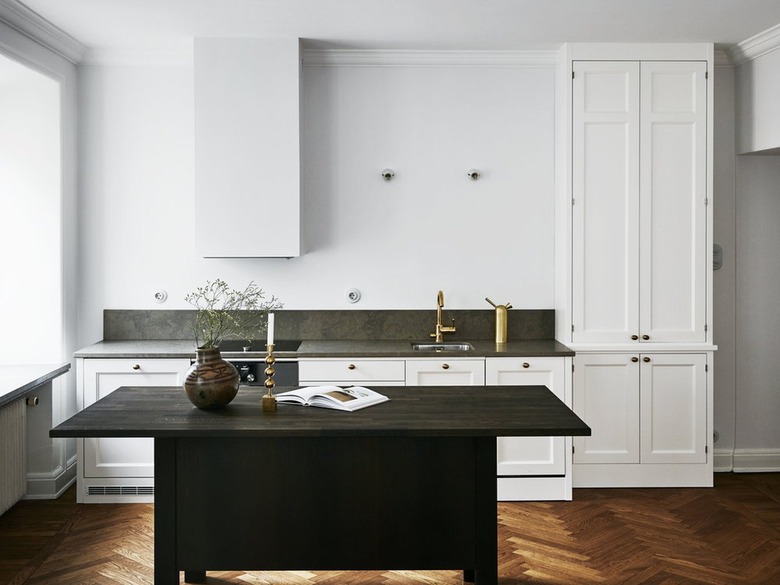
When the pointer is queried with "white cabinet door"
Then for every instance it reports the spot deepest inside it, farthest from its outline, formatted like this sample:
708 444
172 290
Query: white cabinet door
123 457
445 372
642 408
639 169
605 185
606 397
523 456
673 191
673 390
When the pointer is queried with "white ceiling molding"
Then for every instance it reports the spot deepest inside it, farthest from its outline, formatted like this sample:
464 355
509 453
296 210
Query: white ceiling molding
17 16
164 57
404 58
755 46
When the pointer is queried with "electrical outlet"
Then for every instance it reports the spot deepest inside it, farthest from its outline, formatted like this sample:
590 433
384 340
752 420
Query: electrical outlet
160 296
353 295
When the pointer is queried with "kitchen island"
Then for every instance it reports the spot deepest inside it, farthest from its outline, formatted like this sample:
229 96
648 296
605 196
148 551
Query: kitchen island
407 484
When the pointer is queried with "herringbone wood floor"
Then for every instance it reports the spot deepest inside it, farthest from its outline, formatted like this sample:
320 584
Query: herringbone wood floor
722 536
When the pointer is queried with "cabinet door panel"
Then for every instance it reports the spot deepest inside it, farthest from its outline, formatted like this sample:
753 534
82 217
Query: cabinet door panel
606 397
673 251
673 406
605 201
523 456
124 457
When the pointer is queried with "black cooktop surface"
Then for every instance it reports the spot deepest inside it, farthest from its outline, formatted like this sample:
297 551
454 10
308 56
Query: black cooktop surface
239 345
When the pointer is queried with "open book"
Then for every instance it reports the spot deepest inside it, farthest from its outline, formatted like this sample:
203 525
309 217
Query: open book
351 399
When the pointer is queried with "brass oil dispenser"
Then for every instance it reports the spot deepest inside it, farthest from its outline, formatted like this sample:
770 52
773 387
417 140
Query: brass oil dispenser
500 320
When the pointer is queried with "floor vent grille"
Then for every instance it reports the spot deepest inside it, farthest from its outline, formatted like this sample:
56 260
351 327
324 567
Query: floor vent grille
120 490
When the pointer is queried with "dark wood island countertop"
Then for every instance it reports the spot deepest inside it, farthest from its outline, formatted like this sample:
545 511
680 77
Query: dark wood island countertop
412 411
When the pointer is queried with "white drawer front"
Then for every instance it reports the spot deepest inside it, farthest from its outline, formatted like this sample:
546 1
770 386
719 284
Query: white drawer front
445 372
357 370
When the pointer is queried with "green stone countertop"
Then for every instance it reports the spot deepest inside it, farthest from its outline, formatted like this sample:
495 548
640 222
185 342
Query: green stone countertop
344 348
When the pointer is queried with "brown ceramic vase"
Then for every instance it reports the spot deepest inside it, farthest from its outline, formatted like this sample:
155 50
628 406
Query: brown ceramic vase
211 382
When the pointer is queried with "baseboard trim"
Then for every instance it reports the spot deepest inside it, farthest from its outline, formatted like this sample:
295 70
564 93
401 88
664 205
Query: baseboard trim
723 460
50 488
756 460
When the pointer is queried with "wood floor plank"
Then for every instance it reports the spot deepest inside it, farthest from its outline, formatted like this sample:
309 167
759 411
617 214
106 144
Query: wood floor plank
727 535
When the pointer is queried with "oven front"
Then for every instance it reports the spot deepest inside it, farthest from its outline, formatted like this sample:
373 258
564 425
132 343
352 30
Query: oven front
252 371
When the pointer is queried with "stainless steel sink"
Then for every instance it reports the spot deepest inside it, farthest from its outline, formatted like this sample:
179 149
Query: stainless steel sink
444 346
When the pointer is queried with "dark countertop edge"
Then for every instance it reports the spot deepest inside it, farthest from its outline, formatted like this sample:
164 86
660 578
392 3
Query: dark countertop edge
424 411
51 371
411 432
400 348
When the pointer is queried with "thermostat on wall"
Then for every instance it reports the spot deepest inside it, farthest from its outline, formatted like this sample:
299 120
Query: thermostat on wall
717 256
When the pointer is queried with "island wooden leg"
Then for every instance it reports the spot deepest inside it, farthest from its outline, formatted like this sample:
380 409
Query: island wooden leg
486 510
165 570
194 576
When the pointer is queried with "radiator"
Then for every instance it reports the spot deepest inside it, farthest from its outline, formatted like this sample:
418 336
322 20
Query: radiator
13 453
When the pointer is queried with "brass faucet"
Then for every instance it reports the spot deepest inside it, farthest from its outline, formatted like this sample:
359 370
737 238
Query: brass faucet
441 329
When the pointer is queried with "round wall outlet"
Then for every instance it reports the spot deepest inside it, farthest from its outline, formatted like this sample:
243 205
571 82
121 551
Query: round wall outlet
353 295
160 296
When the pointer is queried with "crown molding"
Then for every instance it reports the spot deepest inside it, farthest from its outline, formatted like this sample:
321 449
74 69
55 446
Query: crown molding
721 58
32 25
146 57
409 58
756 46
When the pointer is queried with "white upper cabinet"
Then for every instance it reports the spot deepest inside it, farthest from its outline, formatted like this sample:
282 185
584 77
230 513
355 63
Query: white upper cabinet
639 168
247 147
757 95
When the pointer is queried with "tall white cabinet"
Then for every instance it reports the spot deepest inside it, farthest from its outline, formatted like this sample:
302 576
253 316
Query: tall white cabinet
637 280
639 197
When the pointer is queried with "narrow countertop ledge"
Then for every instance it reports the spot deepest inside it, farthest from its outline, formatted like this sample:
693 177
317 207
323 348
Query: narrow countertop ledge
16 380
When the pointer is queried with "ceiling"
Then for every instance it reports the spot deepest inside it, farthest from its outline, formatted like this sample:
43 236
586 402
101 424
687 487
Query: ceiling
409 24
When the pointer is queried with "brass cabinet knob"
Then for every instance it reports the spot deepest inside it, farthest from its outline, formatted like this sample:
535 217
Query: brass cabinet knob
634 337
526 365
351 367
136 366
645 337
445 366
635 359
646 359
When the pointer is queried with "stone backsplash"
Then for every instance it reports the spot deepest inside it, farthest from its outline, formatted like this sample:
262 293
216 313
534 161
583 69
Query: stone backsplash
120 324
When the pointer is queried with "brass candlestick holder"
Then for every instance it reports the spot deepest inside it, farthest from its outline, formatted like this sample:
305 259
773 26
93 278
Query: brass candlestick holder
269 400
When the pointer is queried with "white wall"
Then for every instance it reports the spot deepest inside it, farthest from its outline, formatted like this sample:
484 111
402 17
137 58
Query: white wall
758 311
724 280
398 242
757 243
